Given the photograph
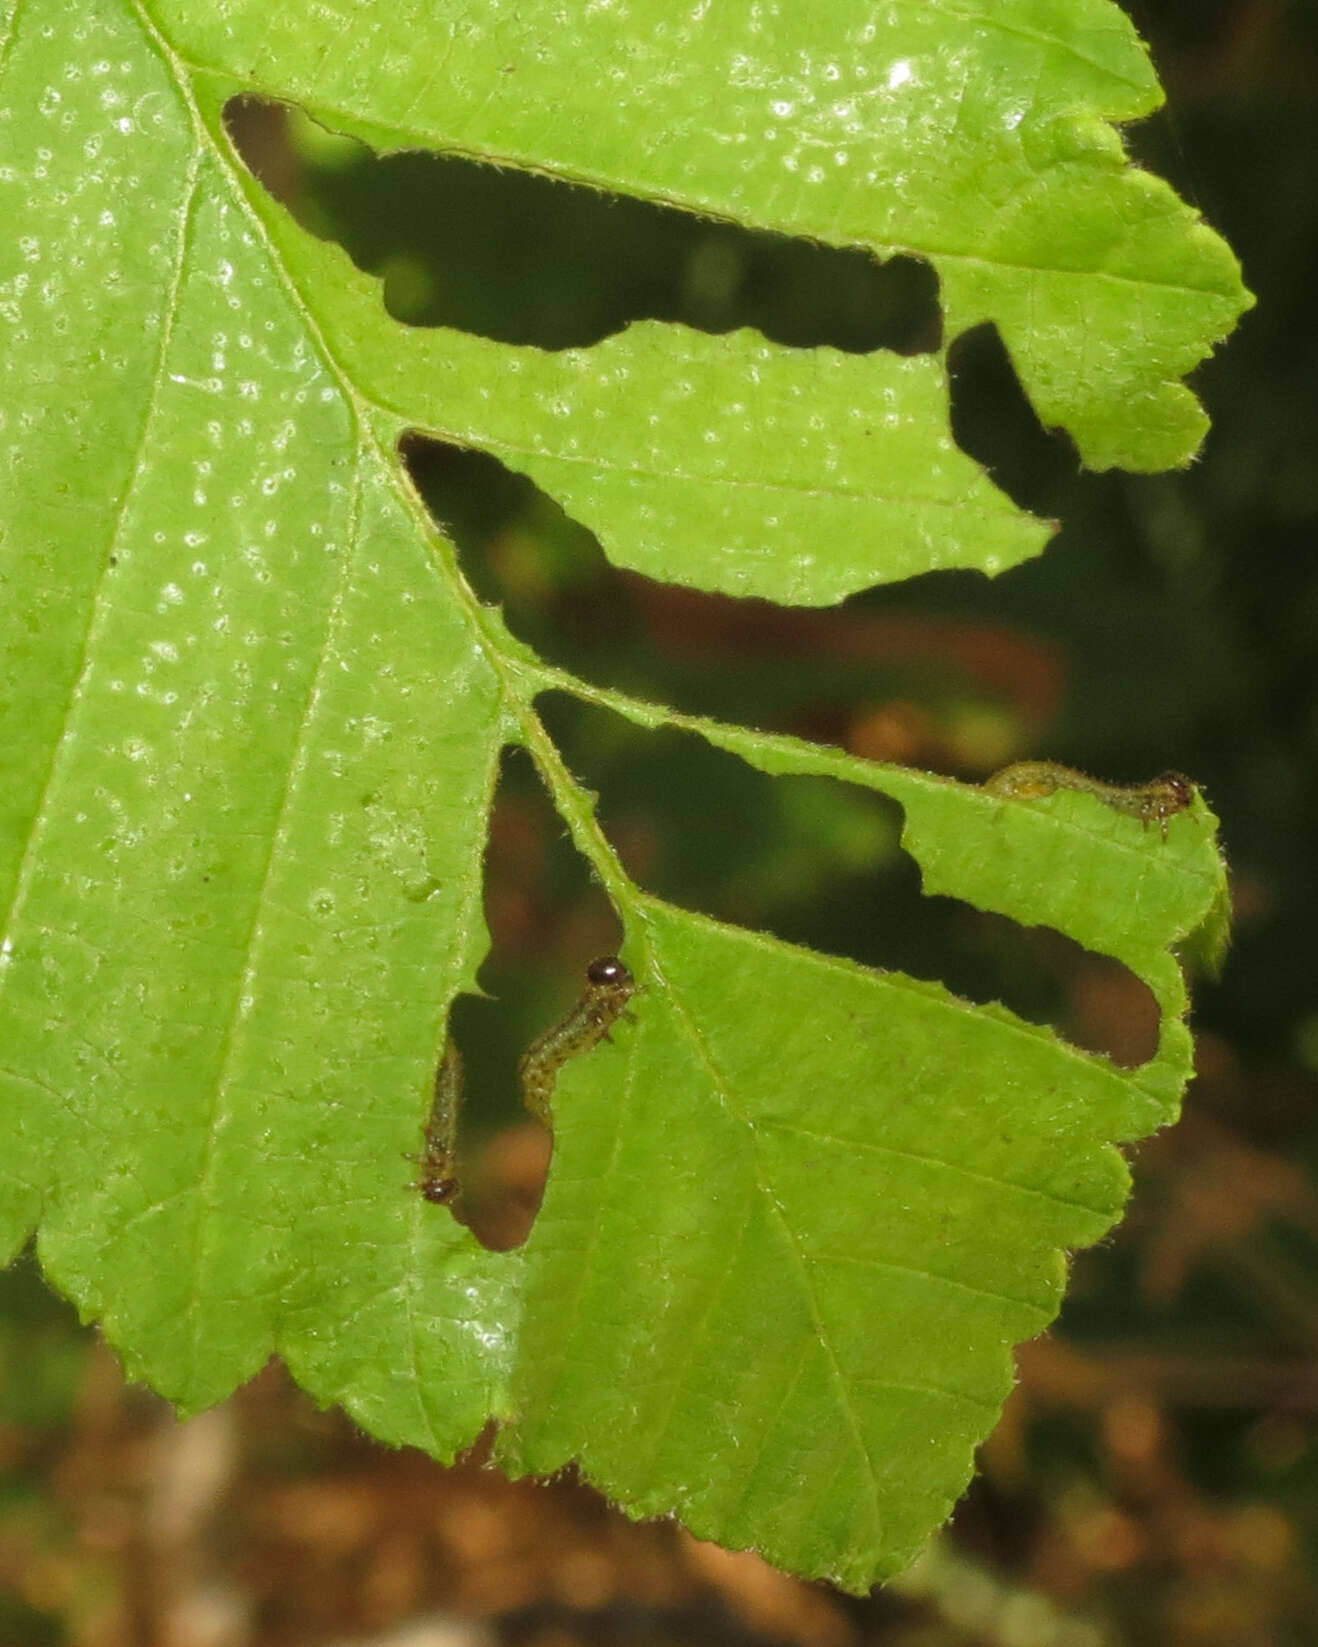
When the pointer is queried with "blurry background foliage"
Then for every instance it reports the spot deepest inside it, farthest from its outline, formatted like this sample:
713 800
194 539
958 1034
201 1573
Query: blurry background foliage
1155 1478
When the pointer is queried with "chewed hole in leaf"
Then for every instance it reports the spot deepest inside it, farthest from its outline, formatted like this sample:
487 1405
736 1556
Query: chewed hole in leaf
994 423
546 919
818 863
523 258
896 682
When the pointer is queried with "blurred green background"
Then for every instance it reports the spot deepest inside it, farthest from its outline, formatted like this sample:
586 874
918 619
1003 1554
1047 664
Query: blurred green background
1155 1477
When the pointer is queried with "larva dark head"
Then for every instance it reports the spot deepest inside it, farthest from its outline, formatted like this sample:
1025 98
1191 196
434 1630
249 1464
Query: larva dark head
1176 787
608 969
439 1190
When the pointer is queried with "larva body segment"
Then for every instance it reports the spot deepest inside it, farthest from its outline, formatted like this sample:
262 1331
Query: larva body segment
1153 802
609 987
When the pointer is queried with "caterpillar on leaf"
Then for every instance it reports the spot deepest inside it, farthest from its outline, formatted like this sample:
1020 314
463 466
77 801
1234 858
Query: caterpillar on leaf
609 987
439 1160
1154 802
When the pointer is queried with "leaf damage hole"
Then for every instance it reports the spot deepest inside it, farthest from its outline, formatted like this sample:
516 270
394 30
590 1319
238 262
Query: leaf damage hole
819 863
994 422
882 675
522 258
547 920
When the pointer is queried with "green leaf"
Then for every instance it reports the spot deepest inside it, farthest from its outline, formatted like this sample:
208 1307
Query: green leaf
981 142
252 720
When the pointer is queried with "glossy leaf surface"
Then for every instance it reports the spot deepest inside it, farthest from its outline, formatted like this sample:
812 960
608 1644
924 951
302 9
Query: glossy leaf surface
252 717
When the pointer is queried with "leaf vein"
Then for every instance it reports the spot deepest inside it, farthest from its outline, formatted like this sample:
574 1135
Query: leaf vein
845 1404
871 1145
239 1009
871 1261
28 859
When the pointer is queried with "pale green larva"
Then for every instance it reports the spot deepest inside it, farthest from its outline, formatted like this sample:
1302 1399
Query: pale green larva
609 987
1153 802
439 1161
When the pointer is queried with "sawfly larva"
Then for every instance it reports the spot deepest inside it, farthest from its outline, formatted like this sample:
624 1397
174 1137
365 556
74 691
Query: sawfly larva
439 1160
609 987
1153 802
